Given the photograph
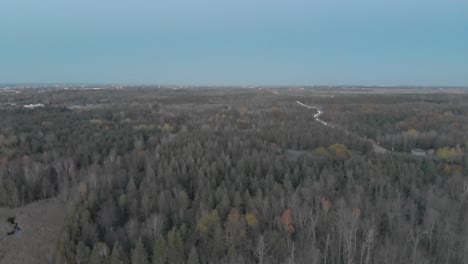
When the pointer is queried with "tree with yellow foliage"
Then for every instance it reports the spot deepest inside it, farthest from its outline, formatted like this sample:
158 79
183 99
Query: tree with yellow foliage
251 220
448 154
339 151
208 222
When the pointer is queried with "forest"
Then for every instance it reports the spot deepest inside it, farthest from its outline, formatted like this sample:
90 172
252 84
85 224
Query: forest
242 175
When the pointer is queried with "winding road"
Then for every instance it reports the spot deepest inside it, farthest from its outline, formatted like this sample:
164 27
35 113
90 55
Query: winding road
376 147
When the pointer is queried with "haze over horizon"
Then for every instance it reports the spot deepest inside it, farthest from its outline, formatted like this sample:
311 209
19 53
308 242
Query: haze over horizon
240 42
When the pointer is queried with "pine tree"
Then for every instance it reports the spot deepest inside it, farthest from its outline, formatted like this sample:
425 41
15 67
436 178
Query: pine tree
99 254
193 257
83 253
160 251
64 253
175 247
118 255
139 254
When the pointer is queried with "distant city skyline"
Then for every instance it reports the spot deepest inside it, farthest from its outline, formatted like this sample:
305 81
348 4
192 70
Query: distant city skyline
238 43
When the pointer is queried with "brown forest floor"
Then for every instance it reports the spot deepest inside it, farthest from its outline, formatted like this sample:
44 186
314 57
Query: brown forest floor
40 223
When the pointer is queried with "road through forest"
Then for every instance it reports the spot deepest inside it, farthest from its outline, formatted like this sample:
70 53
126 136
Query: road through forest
377 148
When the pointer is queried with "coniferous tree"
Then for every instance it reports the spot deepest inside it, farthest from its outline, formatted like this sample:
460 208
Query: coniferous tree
139 254
160 251
193 257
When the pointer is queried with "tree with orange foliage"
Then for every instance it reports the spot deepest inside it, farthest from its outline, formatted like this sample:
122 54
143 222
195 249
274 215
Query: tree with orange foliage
356 212
326 204
4 162
288 221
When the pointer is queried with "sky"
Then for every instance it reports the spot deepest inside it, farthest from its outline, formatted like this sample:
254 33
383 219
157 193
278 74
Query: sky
235 42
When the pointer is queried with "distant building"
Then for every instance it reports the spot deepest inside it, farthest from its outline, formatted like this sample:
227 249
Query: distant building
418 152
31 106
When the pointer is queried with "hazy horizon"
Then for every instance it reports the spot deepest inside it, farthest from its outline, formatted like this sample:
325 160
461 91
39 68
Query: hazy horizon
281 43
61 84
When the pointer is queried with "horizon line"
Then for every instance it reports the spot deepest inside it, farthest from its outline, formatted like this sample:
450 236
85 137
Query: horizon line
227 85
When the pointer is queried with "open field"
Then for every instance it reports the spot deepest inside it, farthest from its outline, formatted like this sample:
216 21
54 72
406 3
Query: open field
40 223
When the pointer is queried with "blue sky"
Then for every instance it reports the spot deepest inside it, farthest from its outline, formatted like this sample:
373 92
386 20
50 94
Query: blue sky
236 42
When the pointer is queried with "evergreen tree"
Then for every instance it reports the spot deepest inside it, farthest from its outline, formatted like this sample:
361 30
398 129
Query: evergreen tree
118 255
175 247
160 251
64 252
100 254
193 257
139 254
83 253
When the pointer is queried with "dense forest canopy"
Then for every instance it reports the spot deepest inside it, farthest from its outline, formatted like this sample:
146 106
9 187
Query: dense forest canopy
217 175
427 121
